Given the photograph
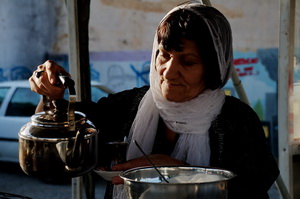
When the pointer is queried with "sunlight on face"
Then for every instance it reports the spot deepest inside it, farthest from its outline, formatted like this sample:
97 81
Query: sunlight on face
181 73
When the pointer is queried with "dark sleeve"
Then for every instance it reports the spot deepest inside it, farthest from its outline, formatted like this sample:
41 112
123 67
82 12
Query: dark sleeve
113 115
241 146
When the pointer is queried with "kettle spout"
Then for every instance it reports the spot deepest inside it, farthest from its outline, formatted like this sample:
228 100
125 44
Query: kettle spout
75 152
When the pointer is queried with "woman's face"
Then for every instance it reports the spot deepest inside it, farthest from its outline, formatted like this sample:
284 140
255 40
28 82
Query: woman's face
181 73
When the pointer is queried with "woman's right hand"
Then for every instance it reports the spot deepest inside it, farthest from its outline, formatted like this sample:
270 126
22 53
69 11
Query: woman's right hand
45 81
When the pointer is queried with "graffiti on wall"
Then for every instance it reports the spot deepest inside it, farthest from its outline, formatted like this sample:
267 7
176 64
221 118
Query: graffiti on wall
257 71
121 75
124 70
256 78
258 74
121 70
14 73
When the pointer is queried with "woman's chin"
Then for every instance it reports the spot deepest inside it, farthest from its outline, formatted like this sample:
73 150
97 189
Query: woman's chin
173 98
177 98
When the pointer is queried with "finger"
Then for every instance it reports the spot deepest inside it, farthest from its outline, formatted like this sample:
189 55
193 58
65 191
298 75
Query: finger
35 79
117 180
138 162
40 79
32 83
37 88
41 67
123 166
40 84
38 73
53 70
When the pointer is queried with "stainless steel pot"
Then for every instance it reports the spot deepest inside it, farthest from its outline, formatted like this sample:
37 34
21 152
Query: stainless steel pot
184 182
58 142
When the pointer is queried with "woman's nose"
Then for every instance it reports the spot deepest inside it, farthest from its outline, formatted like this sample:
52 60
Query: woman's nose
171 70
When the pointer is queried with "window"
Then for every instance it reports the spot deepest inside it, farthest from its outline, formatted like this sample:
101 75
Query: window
98 93
3 93
23 103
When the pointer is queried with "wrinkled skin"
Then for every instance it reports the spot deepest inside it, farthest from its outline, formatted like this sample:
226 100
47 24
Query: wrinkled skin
181 73
47 82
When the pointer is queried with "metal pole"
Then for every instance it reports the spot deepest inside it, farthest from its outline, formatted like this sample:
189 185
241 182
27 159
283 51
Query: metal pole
285 69
76 188
79 65
237 83
74 51
74 62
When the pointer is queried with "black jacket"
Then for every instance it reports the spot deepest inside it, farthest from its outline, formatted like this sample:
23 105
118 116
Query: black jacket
237 139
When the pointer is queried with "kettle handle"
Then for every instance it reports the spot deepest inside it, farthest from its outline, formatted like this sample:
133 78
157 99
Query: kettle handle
70 85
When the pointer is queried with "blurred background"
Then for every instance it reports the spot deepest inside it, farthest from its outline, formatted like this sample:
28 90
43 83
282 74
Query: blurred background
120 37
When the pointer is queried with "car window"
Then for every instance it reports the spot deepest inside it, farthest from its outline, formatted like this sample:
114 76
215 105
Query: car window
3 93
23 103
97 93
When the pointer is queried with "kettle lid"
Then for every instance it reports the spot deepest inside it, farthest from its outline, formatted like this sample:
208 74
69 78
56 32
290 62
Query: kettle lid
48 126
59 114
43 118
55 123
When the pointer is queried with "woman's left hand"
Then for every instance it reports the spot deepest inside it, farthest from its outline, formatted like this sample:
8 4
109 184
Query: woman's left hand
157 159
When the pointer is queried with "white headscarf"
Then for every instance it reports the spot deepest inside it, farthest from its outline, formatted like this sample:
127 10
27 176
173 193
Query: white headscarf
191 119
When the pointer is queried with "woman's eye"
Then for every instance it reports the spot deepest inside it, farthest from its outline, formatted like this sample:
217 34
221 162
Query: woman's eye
188 62
163 57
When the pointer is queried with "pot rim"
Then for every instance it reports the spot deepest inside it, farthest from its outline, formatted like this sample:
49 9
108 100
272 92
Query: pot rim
229 174
35 120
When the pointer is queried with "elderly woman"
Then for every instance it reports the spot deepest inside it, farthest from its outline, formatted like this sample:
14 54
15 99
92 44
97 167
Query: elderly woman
184 117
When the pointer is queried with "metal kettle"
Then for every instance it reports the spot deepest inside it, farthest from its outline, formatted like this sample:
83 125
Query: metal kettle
58 142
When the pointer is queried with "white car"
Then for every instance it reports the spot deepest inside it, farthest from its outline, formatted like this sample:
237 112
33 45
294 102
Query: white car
17 105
